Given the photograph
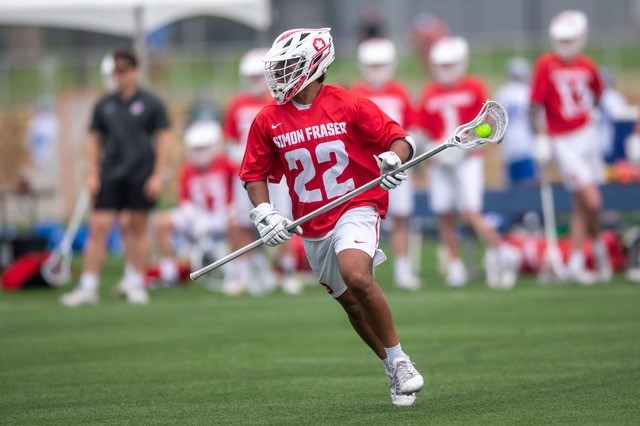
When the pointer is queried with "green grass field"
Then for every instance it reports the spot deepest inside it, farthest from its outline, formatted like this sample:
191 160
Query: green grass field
535 355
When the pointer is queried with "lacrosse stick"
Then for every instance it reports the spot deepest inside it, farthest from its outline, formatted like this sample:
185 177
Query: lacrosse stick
492 114
552 266
56 269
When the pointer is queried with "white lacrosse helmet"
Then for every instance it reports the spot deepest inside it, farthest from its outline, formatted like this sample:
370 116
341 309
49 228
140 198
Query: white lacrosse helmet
107 66
202 141
296 58
568 32
449 58
518 69
377 58
252 71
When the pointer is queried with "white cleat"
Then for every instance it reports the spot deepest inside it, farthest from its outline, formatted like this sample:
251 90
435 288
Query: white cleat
398 398
405 379
408 282
492 269
291 285
137 296
583 277
79 297
456 273
604 270
510 262
633 274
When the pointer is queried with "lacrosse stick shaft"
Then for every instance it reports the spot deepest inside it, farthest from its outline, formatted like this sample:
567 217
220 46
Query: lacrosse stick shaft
464 137
338 201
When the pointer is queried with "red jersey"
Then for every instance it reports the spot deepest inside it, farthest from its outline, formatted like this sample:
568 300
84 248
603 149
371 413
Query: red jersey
392 98
443 108
242 110
208 189
324 151
568 91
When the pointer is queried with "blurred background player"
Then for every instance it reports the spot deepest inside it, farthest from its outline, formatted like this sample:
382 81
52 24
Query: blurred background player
240 114
516 146
205 193
377 59
566 87
456 176
126 156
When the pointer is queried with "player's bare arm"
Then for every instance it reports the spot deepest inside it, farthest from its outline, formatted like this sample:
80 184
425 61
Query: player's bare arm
153 186
92 160
258 192
403 149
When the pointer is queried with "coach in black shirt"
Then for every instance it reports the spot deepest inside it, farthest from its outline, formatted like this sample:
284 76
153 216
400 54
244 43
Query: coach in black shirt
126 154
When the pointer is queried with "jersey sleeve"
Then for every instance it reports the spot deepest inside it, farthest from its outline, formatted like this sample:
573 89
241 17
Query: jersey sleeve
97 123
260 160
183 185
229 124
160 119
374 126
539 83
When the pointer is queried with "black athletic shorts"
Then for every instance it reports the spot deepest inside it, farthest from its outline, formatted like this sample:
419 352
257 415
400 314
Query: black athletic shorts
123 194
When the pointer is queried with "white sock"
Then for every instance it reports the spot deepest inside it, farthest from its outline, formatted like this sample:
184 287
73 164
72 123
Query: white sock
576 261
385 362
402 266
89 281
128 270
168 269
136 281
395 352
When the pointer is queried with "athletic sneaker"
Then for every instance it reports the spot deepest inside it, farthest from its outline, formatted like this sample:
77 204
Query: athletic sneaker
456 273
510 262
137 296
407 281
602 263
582 276
291 284
404 380
79 297
398 398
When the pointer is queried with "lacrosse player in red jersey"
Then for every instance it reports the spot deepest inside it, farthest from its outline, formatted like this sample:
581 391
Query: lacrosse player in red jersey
205 187
252 273
377 58
327 141
456 176
566 86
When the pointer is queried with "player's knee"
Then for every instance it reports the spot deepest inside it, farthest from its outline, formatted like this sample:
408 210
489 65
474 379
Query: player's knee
360 282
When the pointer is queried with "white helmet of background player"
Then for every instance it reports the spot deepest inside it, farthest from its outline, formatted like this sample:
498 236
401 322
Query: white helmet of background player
449 58
296 58
377 58
252 71
107 67
518 69
202 141
568 33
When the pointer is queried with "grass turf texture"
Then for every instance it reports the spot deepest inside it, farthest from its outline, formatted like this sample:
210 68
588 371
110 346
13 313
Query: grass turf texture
537 355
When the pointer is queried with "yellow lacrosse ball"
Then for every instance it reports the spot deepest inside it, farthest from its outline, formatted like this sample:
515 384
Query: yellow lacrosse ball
483 130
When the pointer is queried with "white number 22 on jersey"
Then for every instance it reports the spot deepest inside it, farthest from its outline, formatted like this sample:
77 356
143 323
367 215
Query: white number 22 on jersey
301 158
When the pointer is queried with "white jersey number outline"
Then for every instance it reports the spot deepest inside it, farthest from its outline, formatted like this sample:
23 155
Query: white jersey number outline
323 153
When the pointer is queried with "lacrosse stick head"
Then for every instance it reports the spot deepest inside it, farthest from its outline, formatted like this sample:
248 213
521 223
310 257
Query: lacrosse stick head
56 269
493 115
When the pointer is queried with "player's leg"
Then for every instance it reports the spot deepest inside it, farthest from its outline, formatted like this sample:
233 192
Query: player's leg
355 240
502 261
286 256
166 225
108 202
442 192
129 271
400 209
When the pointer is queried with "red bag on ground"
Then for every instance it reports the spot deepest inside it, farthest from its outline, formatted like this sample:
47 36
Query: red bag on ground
25 272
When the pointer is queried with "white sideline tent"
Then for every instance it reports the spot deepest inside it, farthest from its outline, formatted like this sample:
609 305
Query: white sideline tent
132 18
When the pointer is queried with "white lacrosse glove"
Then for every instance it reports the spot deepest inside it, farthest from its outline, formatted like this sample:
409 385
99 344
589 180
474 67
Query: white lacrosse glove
632 149
271 225
541 149
388 162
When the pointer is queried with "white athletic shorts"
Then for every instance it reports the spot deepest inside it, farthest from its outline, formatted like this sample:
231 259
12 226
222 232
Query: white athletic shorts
458 188
578 157
356 229
401 200
185 216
